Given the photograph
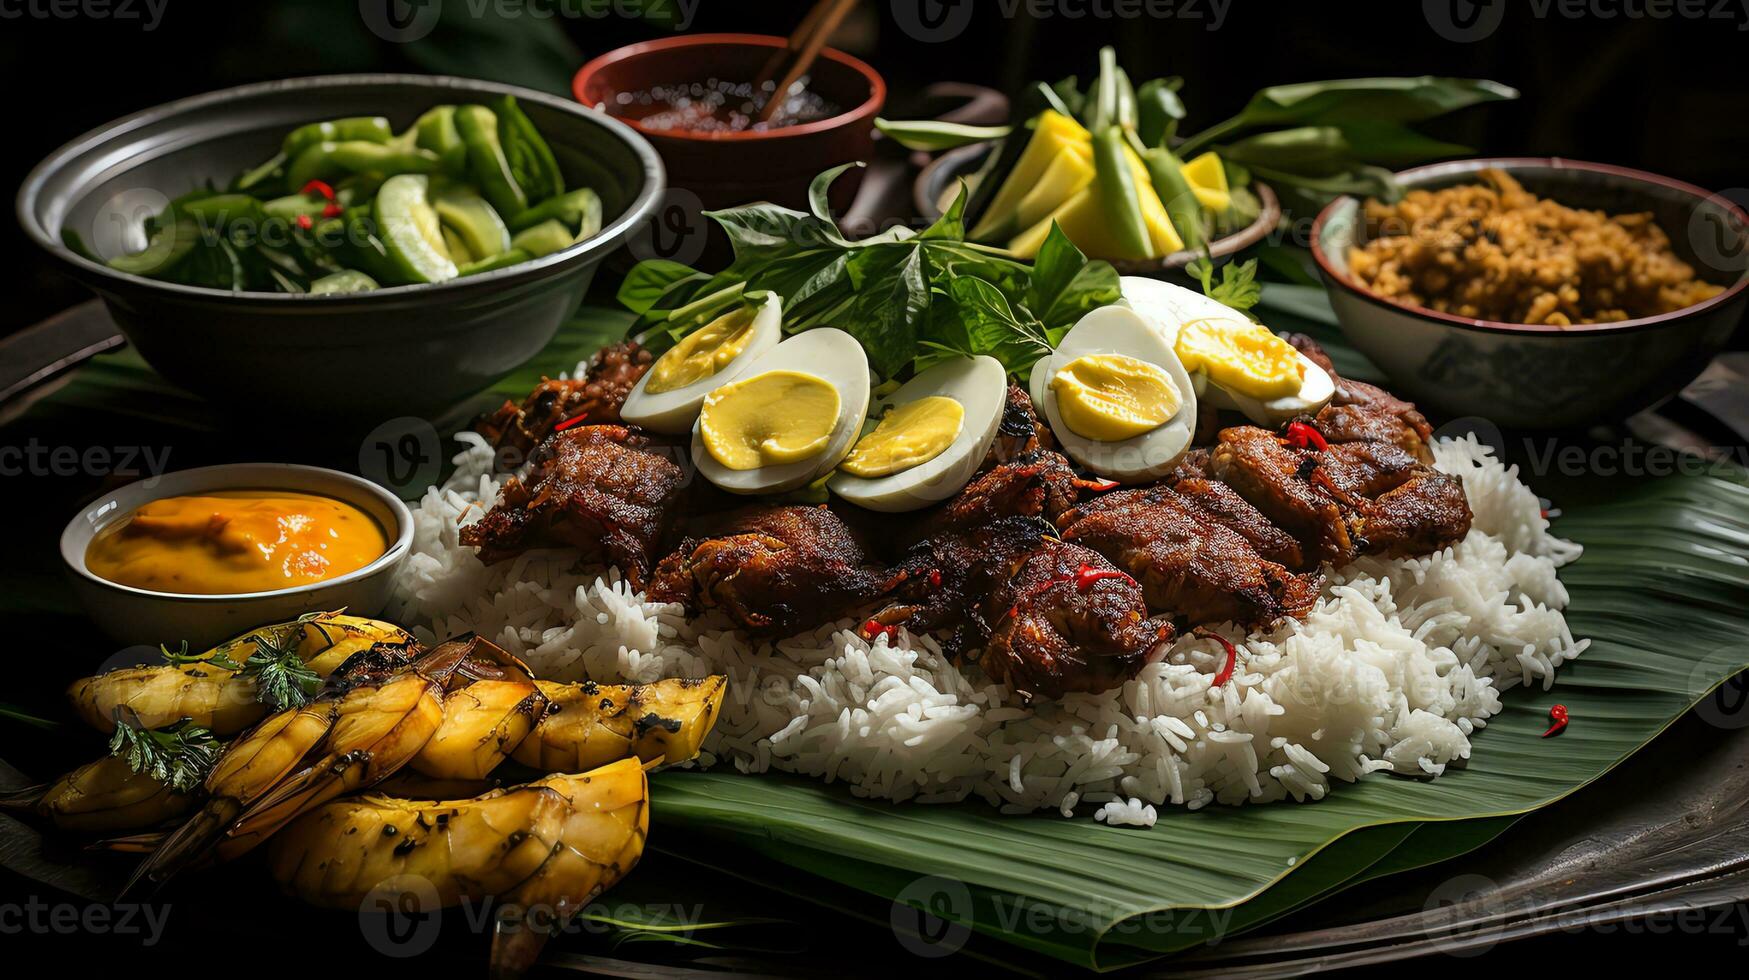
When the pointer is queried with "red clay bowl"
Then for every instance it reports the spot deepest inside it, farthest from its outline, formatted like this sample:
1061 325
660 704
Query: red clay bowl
1544 377
726 169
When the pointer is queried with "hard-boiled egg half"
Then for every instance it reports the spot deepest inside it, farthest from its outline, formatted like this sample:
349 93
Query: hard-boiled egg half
1234 363
669 395
928 437
1116 396
786 418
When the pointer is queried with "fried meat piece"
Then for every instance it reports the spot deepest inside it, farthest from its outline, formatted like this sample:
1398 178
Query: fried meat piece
1223 505
1350 499
597 397
1040 483
594 488
1405 507
1019 431
1360 412
1049 617
1190 565
775 571
1278 481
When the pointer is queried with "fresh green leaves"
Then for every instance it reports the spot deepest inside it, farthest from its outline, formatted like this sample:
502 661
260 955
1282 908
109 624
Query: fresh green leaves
1346 100
1238 286
900 293
178 756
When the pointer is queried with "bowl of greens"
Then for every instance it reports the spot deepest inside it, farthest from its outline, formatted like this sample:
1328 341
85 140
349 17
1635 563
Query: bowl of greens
1115 165
361 246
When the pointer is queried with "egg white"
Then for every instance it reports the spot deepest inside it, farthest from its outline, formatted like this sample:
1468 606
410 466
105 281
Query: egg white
1138 459
673 412
1170 307
826 353
980 385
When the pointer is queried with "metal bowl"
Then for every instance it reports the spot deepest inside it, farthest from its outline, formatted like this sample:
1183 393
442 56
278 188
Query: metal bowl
362 357
1546 377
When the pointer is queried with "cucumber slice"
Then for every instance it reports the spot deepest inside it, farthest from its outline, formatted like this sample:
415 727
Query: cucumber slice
344 281
543 239
411 231
467 216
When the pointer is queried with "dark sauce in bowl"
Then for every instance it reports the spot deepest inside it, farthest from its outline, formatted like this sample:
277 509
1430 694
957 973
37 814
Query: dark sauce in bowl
719 106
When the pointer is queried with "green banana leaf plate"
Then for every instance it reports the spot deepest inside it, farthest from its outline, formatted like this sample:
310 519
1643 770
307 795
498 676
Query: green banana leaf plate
1660 592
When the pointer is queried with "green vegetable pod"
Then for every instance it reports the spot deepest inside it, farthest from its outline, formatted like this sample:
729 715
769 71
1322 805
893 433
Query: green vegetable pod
370 129
543 239
487 163
169 245
503 260
1166 172
411 232
531 160
435 131
580 210
344 281
220 210
470 220
322 161
1119 199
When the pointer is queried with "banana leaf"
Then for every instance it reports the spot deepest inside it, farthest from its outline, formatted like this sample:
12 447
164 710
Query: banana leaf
1659 591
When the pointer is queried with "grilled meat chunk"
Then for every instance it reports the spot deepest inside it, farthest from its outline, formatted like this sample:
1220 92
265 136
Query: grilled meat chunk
775 571
1050 618
597 397
1036 484
594 488
1360 412
1190 565
1278 481
1221 504
1404 507
1350 499
1019 432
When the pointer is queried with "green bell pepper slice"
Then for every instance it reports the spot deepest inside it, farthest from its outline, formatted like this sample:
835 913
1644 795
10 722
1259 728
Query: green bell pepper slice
370 129
531 160
487 163
503 260
543 239
321 161
468 216
435 131
579 209
168 245
344 281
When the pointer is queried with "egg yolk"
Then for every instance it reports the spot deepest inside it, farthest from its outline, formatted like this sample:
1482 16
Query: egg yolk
702 353
1111 397
1241 356
771 418
910 435
232 542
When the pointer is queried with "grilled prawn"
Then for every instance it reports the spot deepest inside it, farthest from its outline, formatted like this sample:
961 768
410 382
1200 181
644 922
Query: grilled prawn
553 845
217 690
372 719
589 725
102 797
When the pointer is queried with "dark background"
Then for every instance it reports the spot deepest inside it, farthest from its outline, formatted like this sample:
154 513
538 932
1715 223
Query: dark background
1667 95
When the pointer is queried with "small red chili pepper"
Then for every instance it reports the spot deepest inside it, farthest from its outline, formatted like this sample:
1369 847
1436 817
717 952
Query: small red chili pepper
1299 435
571 422
318 187
935 578
1087 575
1232 663
305 222
873 630
1557 720
331 210
1097 486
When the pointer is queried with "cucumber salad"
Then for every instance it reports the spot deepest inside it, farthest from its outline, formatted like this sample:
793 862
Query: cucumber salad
348 205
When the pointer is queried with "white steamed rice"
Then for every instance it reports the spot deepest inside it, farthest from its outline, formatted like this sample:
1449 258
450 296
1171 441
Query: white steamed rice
1395 669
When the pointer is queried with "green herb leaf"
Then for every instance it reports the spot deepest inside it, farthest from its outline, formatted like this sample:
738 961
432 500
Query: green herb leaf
179 756
930 135
652 279
1065 286
1238 287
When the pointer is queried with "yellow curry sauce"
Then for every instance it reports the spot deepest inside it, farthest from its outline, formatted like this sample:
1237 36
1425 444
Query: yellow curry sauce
236 541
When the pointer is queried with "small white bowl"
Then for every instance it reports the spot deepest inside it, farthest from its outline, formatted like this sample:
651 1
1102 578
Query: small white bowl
142 616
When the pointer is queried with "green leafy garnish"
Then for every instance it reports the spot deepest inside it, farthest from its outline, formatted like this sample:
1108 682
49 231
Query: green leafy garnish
282 679
179 756
910 298
1238 287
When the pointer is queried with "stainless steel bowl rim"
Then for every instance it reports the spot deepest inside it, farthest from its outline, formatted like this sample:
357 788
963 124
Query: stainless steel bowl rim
602 242
1340 279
